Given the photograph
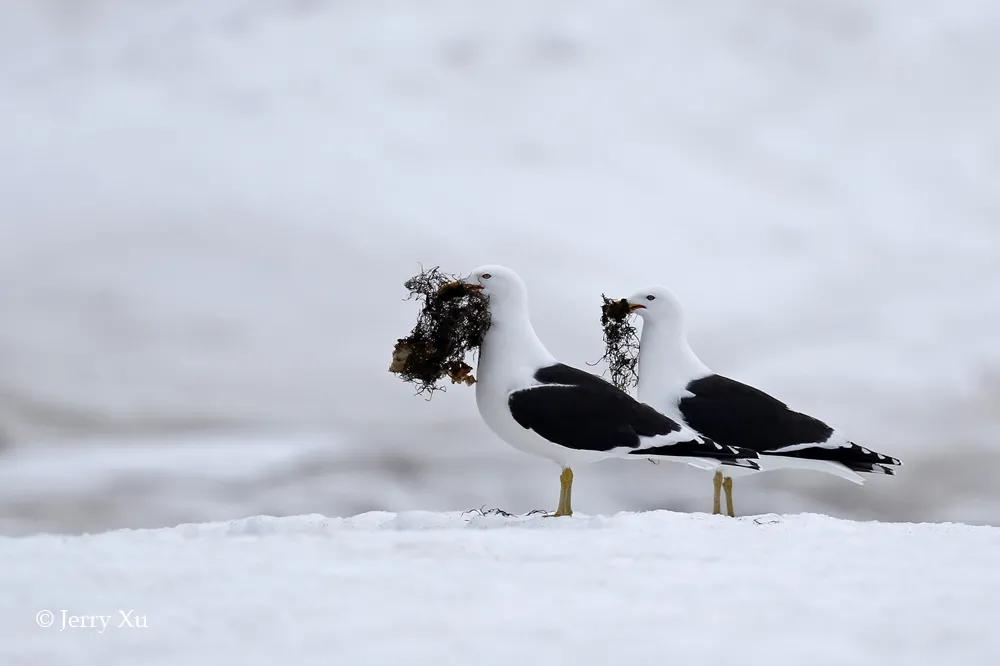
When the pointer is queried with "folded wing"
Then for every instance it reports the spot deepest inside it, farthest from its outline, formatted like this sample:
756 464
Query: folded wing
579 410
736 414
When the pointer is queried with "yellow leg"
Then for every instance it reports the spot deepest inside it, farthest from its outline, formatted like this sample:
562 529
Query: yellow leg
727 484
717 501
565 493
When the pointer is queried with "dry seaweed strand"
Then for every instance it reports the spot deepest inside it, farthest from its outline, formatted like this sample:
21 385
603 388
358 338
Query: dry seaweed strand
621 343
452 322
482 512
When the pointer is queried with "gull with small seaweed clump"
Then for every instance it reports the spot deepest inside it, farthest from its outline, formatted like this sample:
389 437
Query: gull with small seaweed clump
674 380
621 343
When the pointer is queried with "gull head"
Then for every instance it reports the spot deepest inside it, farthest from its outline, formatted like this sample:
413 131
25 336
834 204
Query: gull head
504 288
656 304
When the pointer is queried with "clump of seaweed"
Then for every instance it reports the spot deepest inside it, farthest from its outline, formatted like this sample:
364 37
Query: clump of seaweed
621 343
452 322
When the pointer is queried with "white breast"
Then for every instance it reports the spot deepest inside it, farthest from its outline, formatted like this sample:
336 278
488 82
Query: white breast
509 357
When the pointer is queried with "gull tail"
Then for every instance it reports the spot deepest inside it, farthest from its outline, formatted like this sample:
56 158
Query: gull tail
742 462
841 458
872 468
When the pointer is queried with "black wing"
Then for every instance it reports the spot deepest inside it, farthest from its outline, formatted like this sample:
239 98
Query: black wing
582 411
735 414
579 410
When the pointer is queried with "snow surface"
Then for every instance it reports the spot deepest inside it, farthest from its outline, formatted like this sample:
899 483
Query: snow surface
450 588
207 209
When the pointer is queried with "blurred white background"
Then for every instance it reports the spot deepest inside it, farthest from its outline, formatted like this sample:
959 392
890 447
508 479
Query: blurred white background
207 211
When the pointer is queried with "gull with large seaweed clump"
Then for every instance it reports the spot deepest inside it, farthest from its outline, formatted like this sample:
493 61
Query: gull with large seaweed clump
549 409
675 381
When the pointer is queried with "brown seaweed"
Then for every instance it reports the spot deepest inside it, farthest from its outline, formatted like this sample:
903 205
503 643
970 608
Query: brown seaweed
452 322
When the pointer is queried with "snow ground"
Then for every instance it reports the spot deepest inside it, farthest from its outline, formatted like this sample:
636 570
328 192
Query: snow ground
433 588
206 213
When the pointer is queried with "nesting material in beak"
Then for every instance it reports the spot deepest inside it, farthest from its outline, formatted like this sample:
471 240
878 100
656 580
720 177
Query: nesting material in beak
453 319
621 342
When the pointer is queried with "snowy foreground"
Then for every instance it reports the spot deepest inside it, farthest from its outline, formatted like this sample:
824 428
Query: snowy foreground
434 588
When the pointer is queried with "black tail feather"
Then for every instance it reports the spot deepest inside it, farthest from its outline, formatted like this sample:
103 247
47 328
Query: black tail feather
742 462
854 456
871 468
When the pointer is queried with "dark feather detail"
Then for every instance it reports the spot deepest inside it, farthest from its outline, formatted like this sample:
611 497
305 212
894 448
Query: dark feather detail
735 414
742 462
701 448
579 410
582 411
848 455
871 468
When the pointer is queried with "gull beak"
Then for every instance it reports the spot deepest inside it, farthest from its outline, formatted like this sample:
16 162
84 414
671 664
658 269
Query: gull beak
632 307
455 287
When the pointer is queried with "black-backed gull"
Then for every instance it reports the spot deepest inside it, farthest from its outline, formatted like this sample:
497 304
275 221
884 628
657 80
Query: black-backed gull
673 380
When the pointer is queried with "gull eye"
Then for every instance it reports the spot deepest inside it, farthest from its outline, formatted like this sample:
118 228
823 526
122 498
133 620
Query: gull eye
650 298
486 276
